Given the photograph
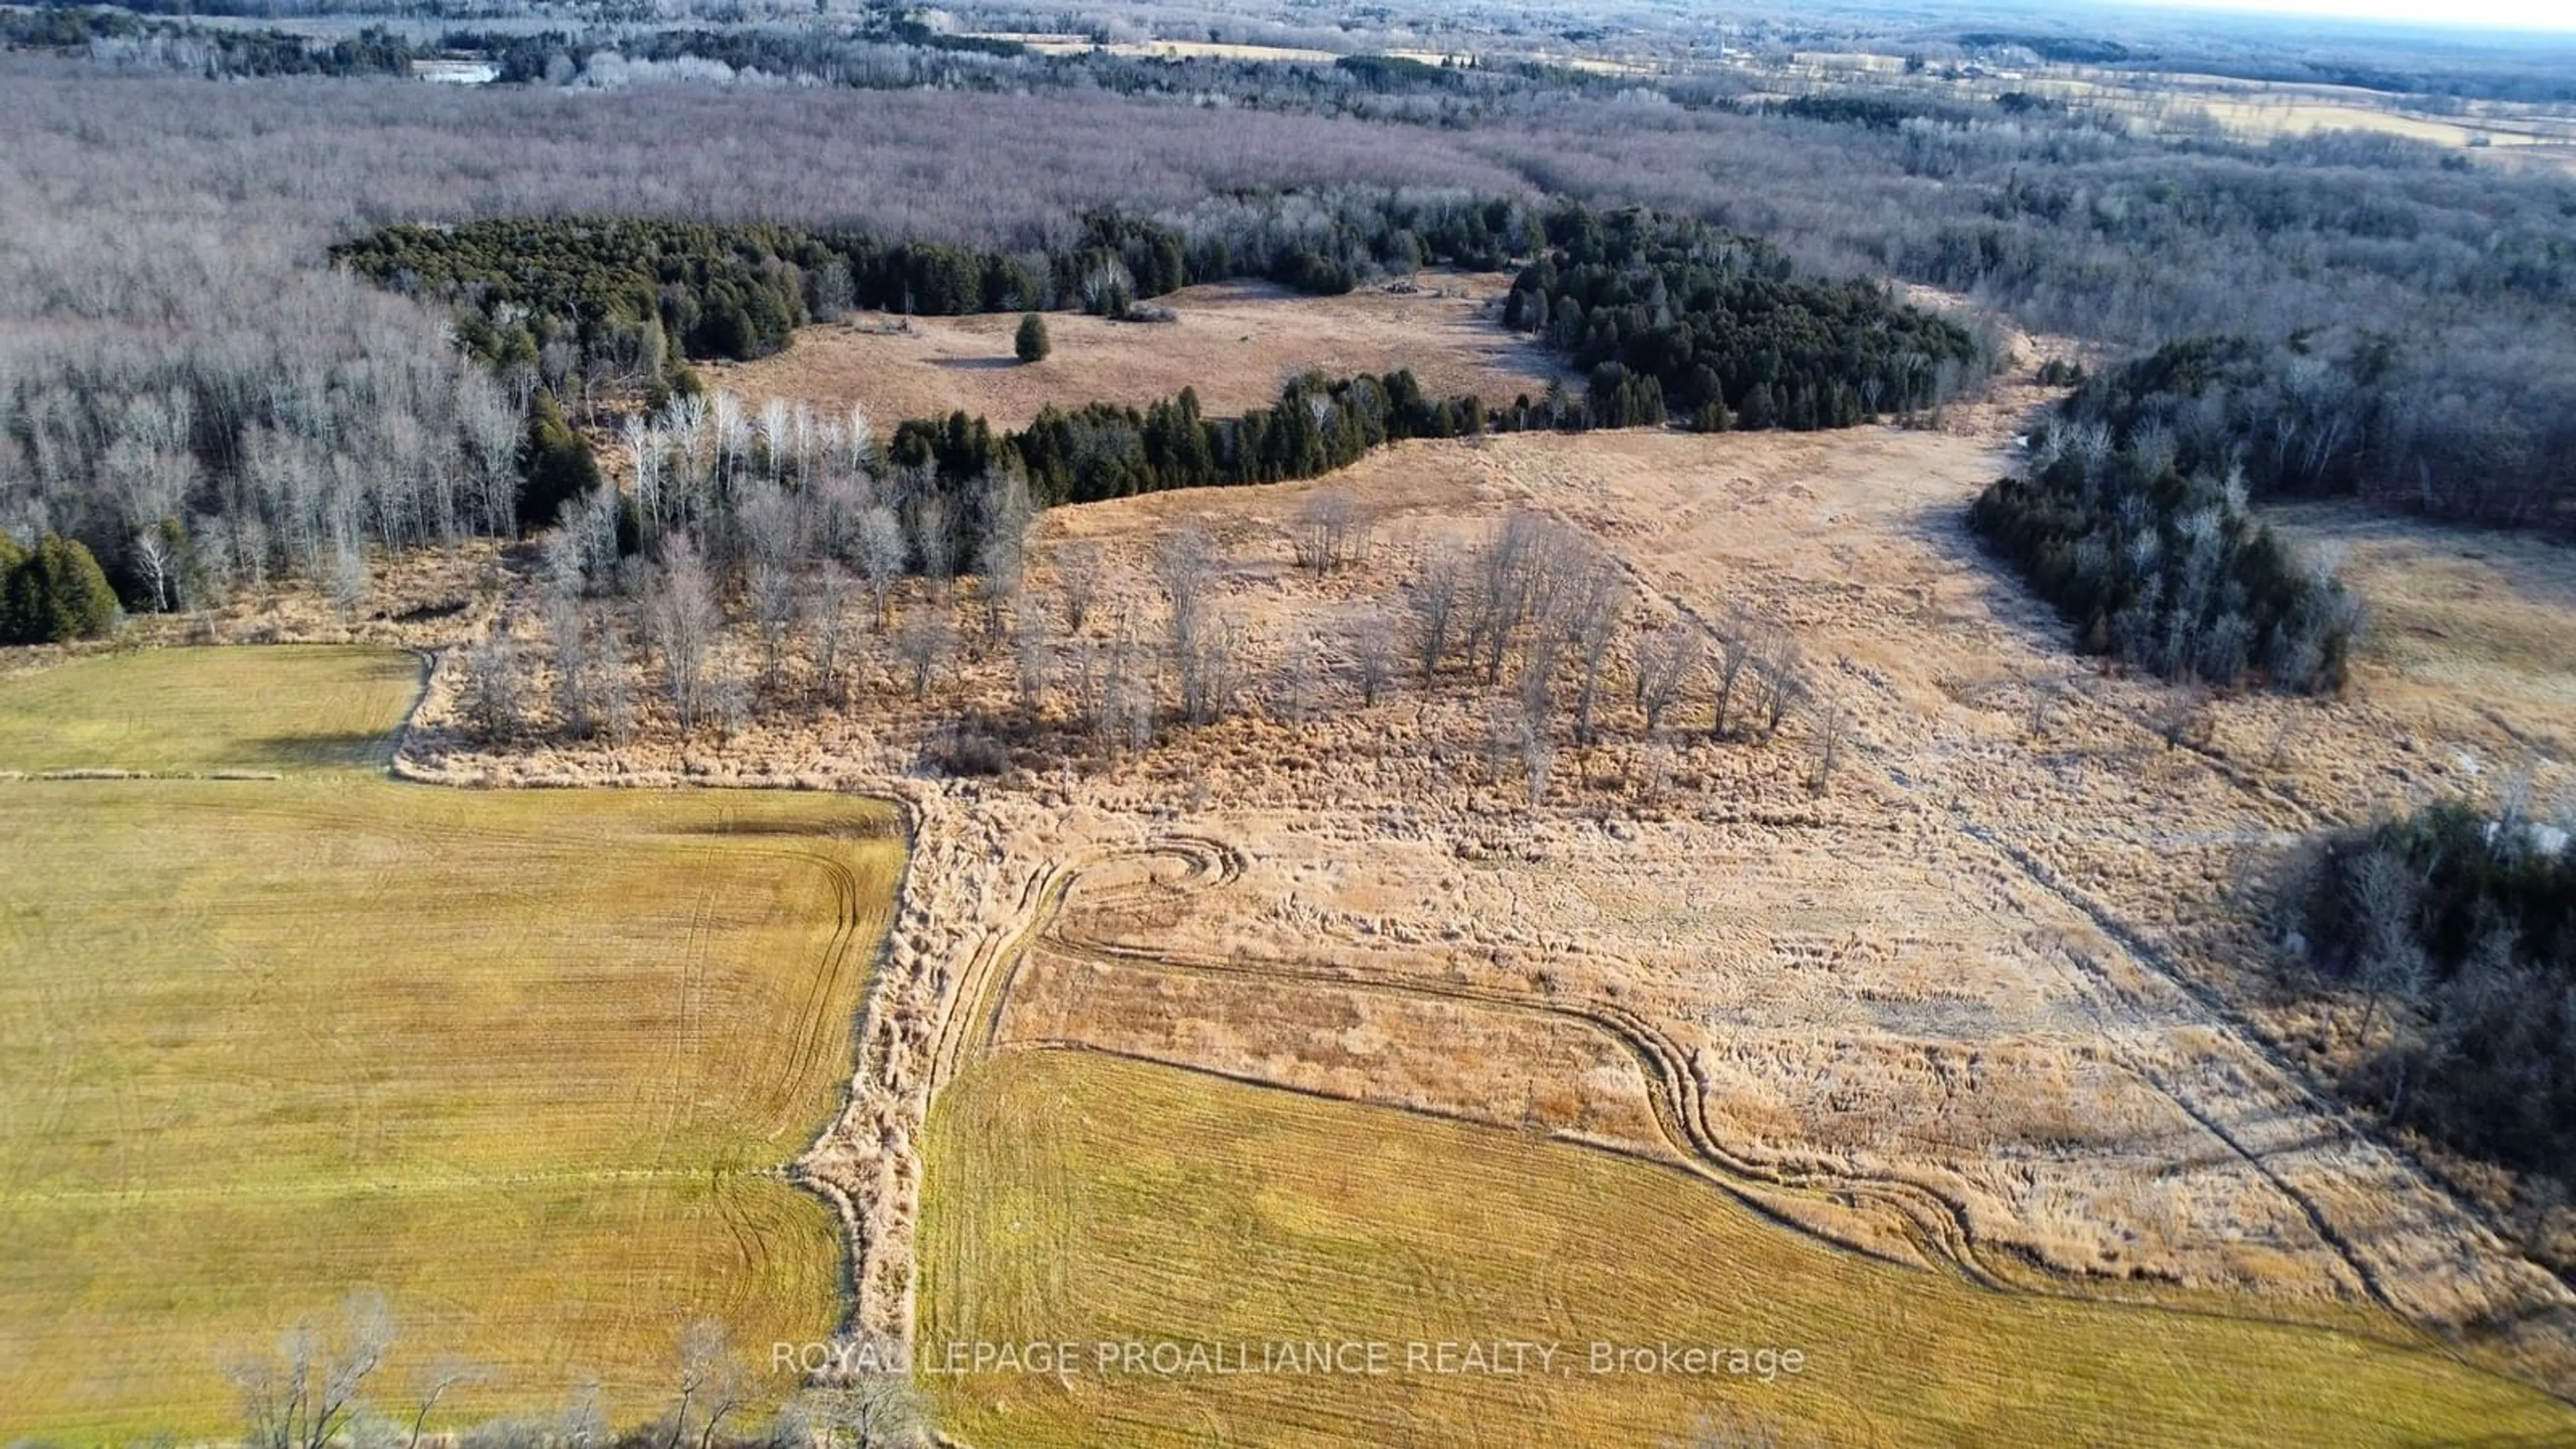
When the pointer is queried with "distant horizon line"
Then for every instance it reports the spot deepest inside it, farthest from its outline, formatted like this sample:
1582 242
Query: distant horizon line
2520 17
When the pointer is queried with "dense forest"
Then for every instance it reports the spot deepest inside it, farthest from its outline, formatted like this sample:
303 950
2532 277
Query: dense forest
2457 929
632 298
163 294
2304 416
1726 329
1663 312
2166 569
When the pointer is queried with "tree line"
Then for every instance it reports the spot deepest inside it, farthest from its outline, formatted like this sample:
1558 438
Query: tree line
316 1385
2311 415
2165 570
125 274
118 36
1106 450
297 441
1665 312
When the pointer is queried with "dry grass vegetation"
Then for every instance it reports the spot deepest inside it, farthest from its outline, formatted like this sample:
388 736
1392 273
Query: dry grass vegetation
1979 1001
529 1065
1236 342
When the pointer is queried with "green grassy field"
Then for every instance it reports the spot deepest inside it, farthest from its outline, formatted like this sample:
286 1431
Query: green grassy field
528 1063
1075 1197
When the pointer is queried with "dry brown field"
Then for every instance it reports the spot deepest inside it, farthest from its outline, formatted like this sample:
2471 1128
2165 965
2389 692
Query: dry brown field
1987 1003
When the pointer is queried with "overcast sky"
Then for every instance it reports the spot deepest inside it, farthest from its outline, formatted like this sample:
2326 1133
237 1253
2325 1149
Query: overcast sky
2521 14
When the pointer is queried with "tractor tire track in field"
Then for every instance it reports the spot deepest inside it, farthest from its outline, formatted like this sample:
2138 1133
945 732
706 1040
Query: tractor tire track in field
2137 947
1936 1228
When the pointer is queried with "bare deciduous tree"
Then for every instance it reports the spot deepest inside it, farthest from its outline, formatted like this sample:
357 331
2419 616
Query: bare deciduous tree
2387 896
710 1385
496 694
1595 605
1000 571
1736 643
680 603
728 694
349 576
1077 580
583 1424
880 555
1032 662
616 683
306 1393
879 1411
1432 607
2043 700
1514 571
924 642
435 1383
1536 746
1780 682
1372 656
2182 717
153 559
1666 660
1294 684
1830 726
1185 561
934 540
1210 666
571 642
1331 531
827 612
771 589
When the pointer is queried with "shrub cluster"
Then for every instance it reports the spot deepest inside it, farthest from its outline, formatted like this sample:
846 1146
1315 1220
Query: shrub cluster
2460 928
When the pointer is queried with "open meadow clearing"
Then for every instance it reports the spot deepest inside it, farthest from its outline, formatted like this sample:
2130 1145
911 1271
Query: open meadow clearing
530 1065
1075 1196
1235 342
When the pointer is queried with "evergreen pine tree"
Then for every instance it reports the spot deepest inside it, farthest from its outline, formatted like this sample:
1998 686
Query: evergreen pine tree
1032 344
555 466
